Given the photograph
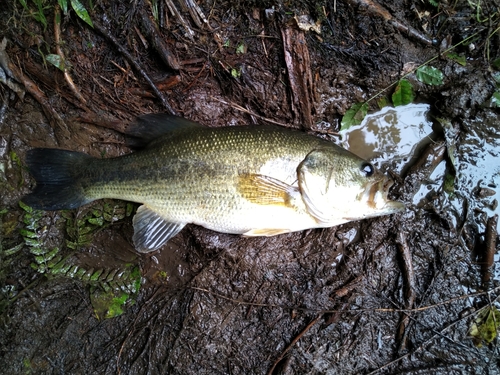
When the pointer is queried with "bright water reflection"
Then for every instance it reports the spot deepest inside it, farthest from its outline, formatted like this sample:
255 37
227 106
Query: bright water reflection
390 136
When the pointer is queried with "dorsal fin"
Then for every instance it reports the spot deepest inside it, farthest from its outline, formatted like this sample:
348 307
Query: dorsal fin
148 128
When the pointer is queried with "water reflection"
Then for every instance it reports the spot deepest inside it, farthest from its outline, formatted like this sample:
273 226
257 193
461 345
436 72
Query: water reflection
390 136
478 175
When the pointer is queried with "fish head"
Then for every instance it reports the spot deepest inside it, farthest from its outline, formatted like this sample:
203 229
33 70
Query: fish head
338 186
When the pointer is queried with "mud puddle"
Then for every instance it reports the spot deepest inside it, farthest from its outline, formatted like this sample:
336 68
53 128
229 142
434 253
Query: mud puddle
464 184
390 137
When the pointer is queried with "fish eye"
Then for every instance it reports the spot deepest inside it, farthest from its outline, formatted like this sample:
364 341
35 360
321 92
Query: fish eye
367 169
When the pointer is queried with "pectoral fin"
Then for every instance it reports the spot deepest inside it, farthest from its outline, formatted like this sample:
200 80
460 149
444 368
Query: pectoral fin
265 190
151 231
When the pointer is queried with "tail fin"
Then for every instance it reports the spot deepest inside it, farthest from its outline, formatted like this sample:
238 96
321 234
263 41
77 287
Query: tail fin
57 179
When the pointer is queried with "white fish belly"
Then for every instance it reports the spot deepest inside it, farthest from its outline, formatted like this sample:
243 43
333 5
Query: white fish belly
258 217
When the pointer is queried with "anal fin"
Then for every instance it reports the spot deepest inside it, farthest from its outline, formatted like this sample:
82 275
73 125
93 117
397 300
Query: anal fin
151 230
265 232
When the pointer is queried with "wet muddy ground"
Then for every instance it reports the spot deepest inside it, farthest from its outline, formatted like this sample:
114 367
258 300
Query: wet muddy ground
395 294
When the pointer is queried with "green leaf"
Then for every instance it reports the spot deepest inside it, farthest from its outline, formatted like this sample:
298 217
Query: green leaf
51 254
235 73
485 326
79 273
13 250
496 64
81 11
457 58
496 77
23 3
403 94
98 221
242 48
61 268
495 99
28 233
38 250
40 259
39 16
96 274
430 75
64 5
382 102
33 242
354 115
56 61
449 183
54 261
154 10
25 207
108 304
129 209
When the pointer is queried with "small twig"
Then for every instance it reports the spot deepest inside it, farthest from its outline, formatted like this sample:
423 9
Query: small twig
125 71
57 40
428 341
341 292
489 251
175 12
131 331
242 109
136 66
195 78
355 311
292 344
423 167
423 64
196 13
409 288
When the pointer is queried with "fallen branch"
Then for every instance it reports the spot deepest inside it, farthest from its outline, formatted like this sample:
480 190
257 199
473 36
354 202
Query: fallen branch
298 67
292 344
242 109
158 43
376 9
409 288
136 66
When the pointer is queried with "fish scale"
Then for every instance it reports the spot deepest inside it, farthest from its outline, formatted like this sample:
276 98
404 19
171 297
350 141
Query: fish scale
252 180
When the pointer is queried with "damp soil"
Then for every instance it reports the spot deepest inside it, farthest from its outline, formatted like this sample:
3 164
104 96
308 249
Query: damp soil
395 294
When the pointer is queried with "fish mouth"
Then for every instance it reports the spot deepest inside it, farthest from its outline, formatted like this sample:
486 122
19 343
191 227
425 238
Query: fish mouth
376 196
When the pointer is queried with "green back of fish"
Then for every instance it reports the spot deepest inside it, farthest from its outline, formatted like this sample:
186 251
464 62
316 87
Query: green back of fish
199 169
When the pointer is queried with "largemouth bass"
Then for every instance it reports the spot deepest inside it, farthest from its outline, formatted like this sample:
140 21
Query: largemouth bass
251 180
